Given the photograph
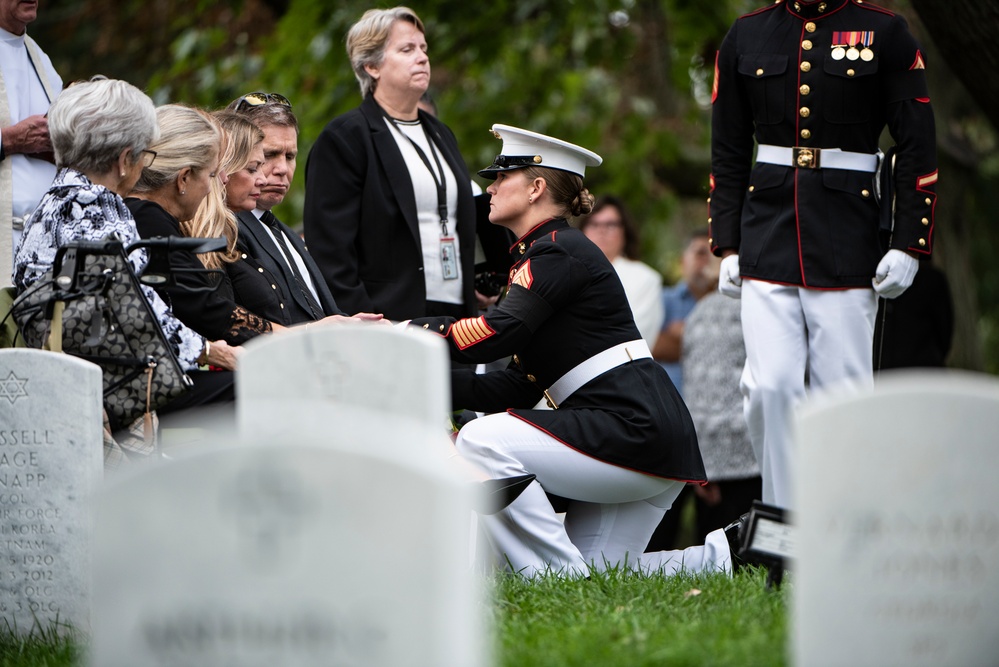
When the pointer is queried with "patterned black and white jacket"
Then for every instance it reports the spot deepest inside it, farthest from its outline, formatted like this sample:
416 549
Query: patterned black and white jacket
76 209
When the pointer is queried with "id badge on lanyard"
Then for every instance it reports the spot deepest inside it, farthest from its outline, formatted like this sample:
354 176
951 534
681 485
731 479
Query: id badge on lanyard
449 258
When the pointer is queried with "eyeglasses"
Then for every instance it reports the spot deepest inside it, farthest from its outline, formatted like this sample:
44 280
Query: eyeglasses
609 224
147 158
258 99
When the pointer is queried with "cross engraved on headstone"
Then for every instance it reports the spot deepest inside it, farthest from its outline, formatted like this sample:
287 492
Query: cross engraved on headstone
270 507
13 387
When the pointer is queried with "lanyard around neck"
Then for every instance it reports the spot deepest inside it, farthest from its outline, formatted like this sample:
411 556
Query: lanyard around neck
439 180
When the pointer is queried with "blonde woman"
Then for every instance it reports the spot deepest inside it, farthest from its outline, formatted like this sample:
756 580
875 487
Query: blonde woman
240 161
178 195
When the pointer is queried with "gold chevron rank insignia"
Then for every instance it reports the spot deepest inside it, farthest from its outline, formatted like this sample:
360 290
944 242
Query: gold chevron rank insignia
523 276
469 331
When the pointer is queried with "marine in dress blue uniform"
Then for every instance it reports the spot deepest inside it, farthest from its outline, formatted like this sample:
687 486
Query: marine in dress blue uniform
814 84
617 440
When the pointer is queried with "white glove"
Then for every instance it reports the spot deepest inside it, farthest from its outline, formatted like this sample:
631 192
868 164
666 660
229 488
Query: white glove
729 281
895 273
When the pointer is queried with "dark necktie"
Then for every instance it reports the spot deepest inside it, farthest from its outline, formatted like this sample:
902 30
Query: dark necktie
268 219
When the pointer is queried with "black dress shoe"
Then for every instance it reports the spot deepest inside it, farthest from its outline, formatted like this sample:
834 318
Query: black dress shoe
496 494
735 533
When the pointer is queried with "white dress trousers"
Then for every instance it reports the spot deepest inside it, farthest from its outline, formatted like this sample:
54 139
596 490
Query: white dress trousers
610 519
797 337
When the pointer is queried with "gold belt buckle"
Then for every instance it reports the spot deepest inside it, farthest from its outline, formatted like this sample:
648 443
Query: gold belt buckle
550 400
805 158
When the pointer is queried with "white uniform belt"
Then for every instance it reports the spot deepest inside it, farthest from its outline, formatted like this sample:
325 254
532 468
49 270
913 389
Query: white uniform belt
816 158
596 365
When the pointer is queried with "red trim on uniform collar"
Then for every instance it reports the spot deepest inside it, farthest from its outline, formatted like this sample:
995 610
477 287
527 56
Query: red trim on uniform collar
533 229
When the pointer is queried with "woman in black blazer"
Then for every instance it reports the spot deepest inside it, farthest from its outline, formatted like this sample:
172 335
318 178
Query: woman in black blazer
389 212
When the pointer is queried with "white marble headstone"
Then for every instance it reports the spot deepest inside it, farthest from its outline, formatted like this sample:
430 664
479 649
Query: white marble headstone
288 552
51 458
898 524
402 372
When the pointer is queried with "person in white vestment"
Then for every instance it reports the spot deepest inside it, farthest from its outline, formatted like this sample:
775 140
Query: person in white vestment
28 86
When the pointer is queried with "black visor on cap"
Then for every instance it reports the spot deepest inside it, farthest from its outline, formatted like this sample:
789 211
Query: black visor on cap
508 162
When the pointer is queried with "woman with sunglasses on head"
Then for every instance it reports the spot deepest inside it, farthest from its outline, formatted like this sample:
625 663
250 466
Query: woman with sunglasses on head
619 443
389 212
182 194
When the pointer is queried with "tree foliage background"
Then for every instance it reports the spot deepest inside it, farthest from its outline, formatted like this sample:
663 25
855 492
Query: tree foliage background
630 79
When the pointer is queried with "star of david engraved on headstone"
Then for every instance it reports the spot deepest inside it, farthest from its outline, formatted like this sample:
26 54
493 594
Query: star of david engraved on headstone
13 388
270 507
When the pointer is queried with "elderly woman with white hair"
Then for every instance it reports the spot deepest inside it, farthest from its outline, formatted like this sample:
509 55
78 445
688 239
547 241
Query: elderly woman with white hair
101 132
389 211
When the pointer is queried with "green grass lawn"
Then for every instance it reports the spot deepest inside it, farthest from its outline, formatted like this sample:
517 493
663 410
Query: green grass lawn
617 619
611 620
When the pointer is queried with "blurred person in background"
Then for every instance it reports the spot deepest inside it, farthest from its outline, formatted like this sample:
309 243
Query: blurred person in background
698 276
610 227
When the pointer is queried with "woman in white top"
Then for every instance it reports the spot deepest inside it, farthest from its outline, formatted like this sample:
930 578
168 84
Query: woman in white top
610 227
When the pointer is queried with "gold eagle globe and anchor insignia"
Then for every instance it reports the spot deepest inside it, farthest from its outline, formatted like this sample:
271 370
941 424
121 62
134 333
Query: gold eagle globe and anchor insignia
806 158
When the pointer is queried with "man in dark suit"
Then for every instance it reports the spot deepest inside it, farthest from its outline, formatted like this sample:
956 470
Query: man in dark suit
276 276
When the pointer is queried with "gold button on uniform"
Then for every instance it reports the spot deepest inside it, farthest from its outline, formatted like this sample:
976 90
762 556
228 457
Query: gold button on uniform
531 378
442 328
805 89
752 187
928 201
516 360
806 134
709 219
244 255
260 268
810 26
807 45
865 193
759 72
922 243
709 200
822 7
850 72
806 66
925 221
426 326
805 112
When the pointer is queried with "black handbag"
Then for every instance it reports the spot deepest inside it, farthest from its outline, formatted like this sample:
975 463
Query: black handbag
90 305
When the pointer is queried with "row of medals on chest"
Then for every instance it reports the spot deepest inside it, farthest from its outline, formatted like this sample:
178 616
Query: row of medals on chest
839 52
